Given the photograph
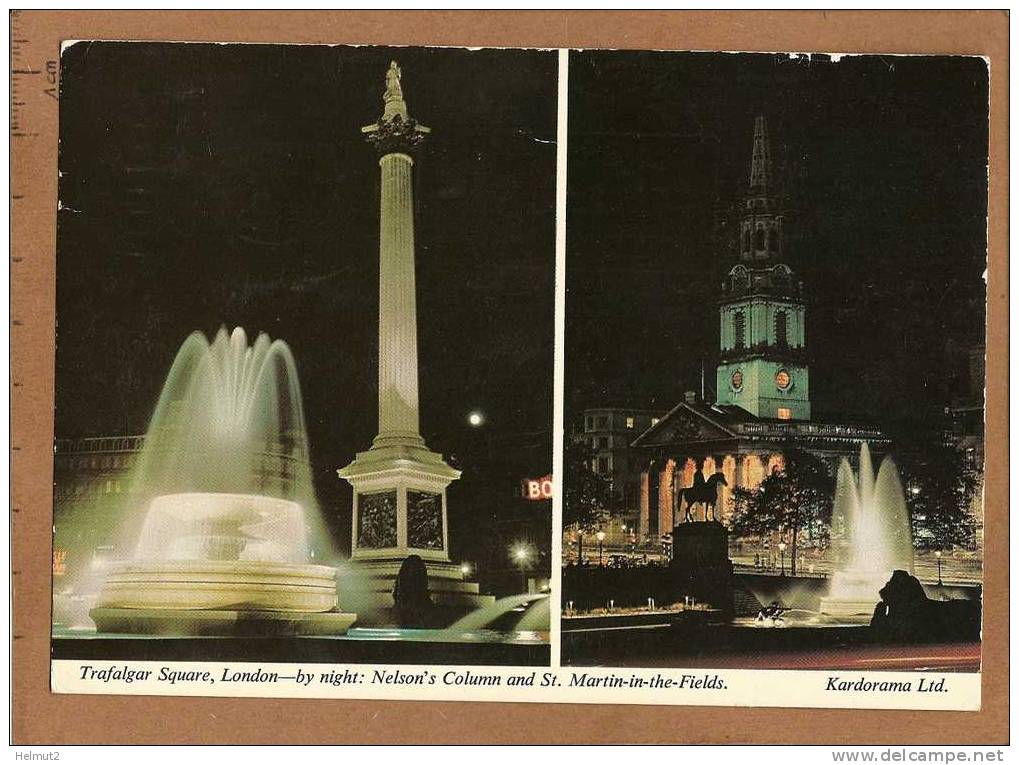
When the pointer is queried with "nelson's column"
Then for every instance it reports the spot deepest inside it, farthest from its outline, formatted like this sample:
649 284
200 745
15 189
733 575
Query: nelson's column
399 483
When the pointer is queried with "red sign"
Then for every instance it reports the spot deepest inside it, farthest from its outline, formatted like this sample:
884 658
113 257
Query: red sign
537 489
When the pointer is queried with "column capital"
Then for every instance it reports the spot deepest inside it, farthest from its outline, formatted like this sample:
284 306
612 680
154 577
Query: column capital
395 135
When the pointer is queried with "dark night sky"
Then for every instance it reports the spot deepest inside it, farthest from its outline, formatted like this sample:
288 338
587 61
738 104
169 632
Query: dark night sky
207 185
884 168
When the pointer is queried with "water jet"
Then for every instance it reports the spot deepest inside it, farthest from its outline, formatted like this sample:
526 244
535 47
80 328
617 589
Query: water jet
871 516
227 521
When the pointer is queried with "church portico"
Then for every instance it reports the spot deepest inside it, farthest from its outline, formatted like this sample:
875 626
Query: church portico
696 438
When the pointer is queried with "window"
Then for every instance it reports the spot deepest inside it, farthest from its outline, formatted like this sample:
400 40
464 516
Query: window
739 329
773 240
589 423
603 442
601 422
784 413
759 239
629 423
603 464
781 328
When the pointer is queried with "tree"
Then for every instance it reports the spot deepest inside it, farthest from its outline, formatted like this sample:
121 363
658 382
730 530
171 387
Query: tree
794 498
940 485
587 495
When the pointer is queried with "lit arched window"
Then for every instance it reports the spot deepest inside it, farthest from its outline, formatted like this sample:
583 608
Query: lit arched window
739 329
781 328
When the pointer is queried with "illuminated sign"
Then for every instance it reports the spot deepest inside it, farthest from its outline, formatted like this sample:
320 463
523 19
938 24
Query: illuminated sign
537 489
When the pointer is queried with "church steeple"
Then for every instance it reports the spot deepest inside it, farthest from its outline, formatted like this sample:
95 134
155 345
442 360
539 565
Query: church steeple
762 314
761 228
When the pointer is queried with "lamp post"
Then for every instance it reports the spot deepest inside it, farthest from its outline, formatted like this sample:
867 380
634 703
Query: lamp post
781 552
580 546
938 556
601 550
465 569
520 555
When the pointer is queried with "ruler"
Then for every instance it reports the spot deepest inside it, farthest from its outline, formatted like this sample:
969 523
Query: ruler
34 91
29 80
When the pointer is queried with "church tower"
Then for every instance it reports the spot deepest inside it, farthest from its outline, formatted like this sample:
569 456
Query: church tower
762 365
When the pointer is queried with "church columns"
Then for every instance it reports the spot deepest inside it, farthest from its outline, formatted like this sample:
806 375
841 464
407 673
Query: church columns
729 468
753 471
776 461
667 497
645 520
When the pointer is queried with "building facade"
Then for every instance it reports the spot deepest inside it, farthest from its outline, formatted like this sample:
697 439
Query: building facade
610 432
91 490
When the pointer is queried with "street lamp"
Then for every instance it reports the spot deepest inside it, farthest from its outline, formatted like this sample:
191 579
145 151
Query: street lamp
521 555
601 552
476 419
465 568
938 556
781 551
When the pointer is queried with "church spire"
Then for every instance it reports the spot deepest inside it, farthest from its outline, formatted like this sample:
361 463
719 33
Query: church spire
761 228
760 164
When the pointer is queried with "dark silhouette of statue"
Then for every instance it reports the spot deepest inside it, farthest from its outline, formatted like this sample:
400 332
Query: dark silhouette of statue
411 601
703 492
905 613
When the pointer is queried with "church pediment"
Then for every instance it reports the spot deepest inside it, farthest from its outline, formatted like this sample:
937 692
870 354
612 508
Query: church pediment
684 424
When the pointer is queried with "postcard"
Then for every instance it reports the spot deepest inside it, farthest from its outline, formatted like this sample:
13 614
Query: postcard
520 374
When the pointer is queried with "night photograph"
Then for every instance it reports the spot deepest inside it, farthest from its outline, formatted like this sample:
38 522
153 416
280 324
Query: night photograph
774 361
304 353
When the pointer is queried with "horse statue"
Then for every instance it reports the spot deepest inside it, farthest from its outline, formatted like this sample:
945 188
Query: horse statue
703 492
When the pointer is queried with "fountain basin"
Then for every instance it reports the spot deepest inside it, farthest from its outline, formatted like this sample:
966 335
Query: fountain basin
219 597
235 585
219 623
853 594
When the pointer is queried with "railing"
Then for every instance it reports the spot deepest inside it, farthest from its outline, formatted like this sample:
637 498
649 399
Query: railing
806 429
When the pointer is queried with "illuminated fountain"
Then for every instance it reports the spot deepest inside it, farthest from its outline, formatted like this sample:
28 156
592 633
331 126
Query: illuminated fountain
227 522
873 518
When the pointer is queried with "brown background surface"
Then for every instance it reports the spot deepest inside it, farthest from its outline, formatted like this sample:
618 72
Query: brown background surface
42 717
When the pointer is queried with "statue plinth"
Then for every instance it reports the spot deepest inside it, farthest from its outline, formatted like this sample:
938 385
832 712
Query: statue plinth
399 503
700 566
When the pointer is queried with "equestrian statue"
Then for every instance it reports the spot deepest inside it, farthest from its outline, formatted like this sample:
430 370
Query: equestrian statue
703 492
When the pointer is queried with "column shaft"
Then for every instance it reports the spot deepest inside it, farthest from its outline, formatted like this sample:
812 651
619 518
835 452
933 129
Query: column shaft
398 361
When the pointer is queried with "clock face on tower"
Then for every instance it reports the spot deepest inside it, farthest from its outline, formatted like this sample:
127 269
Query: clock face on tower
737 380
782 379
